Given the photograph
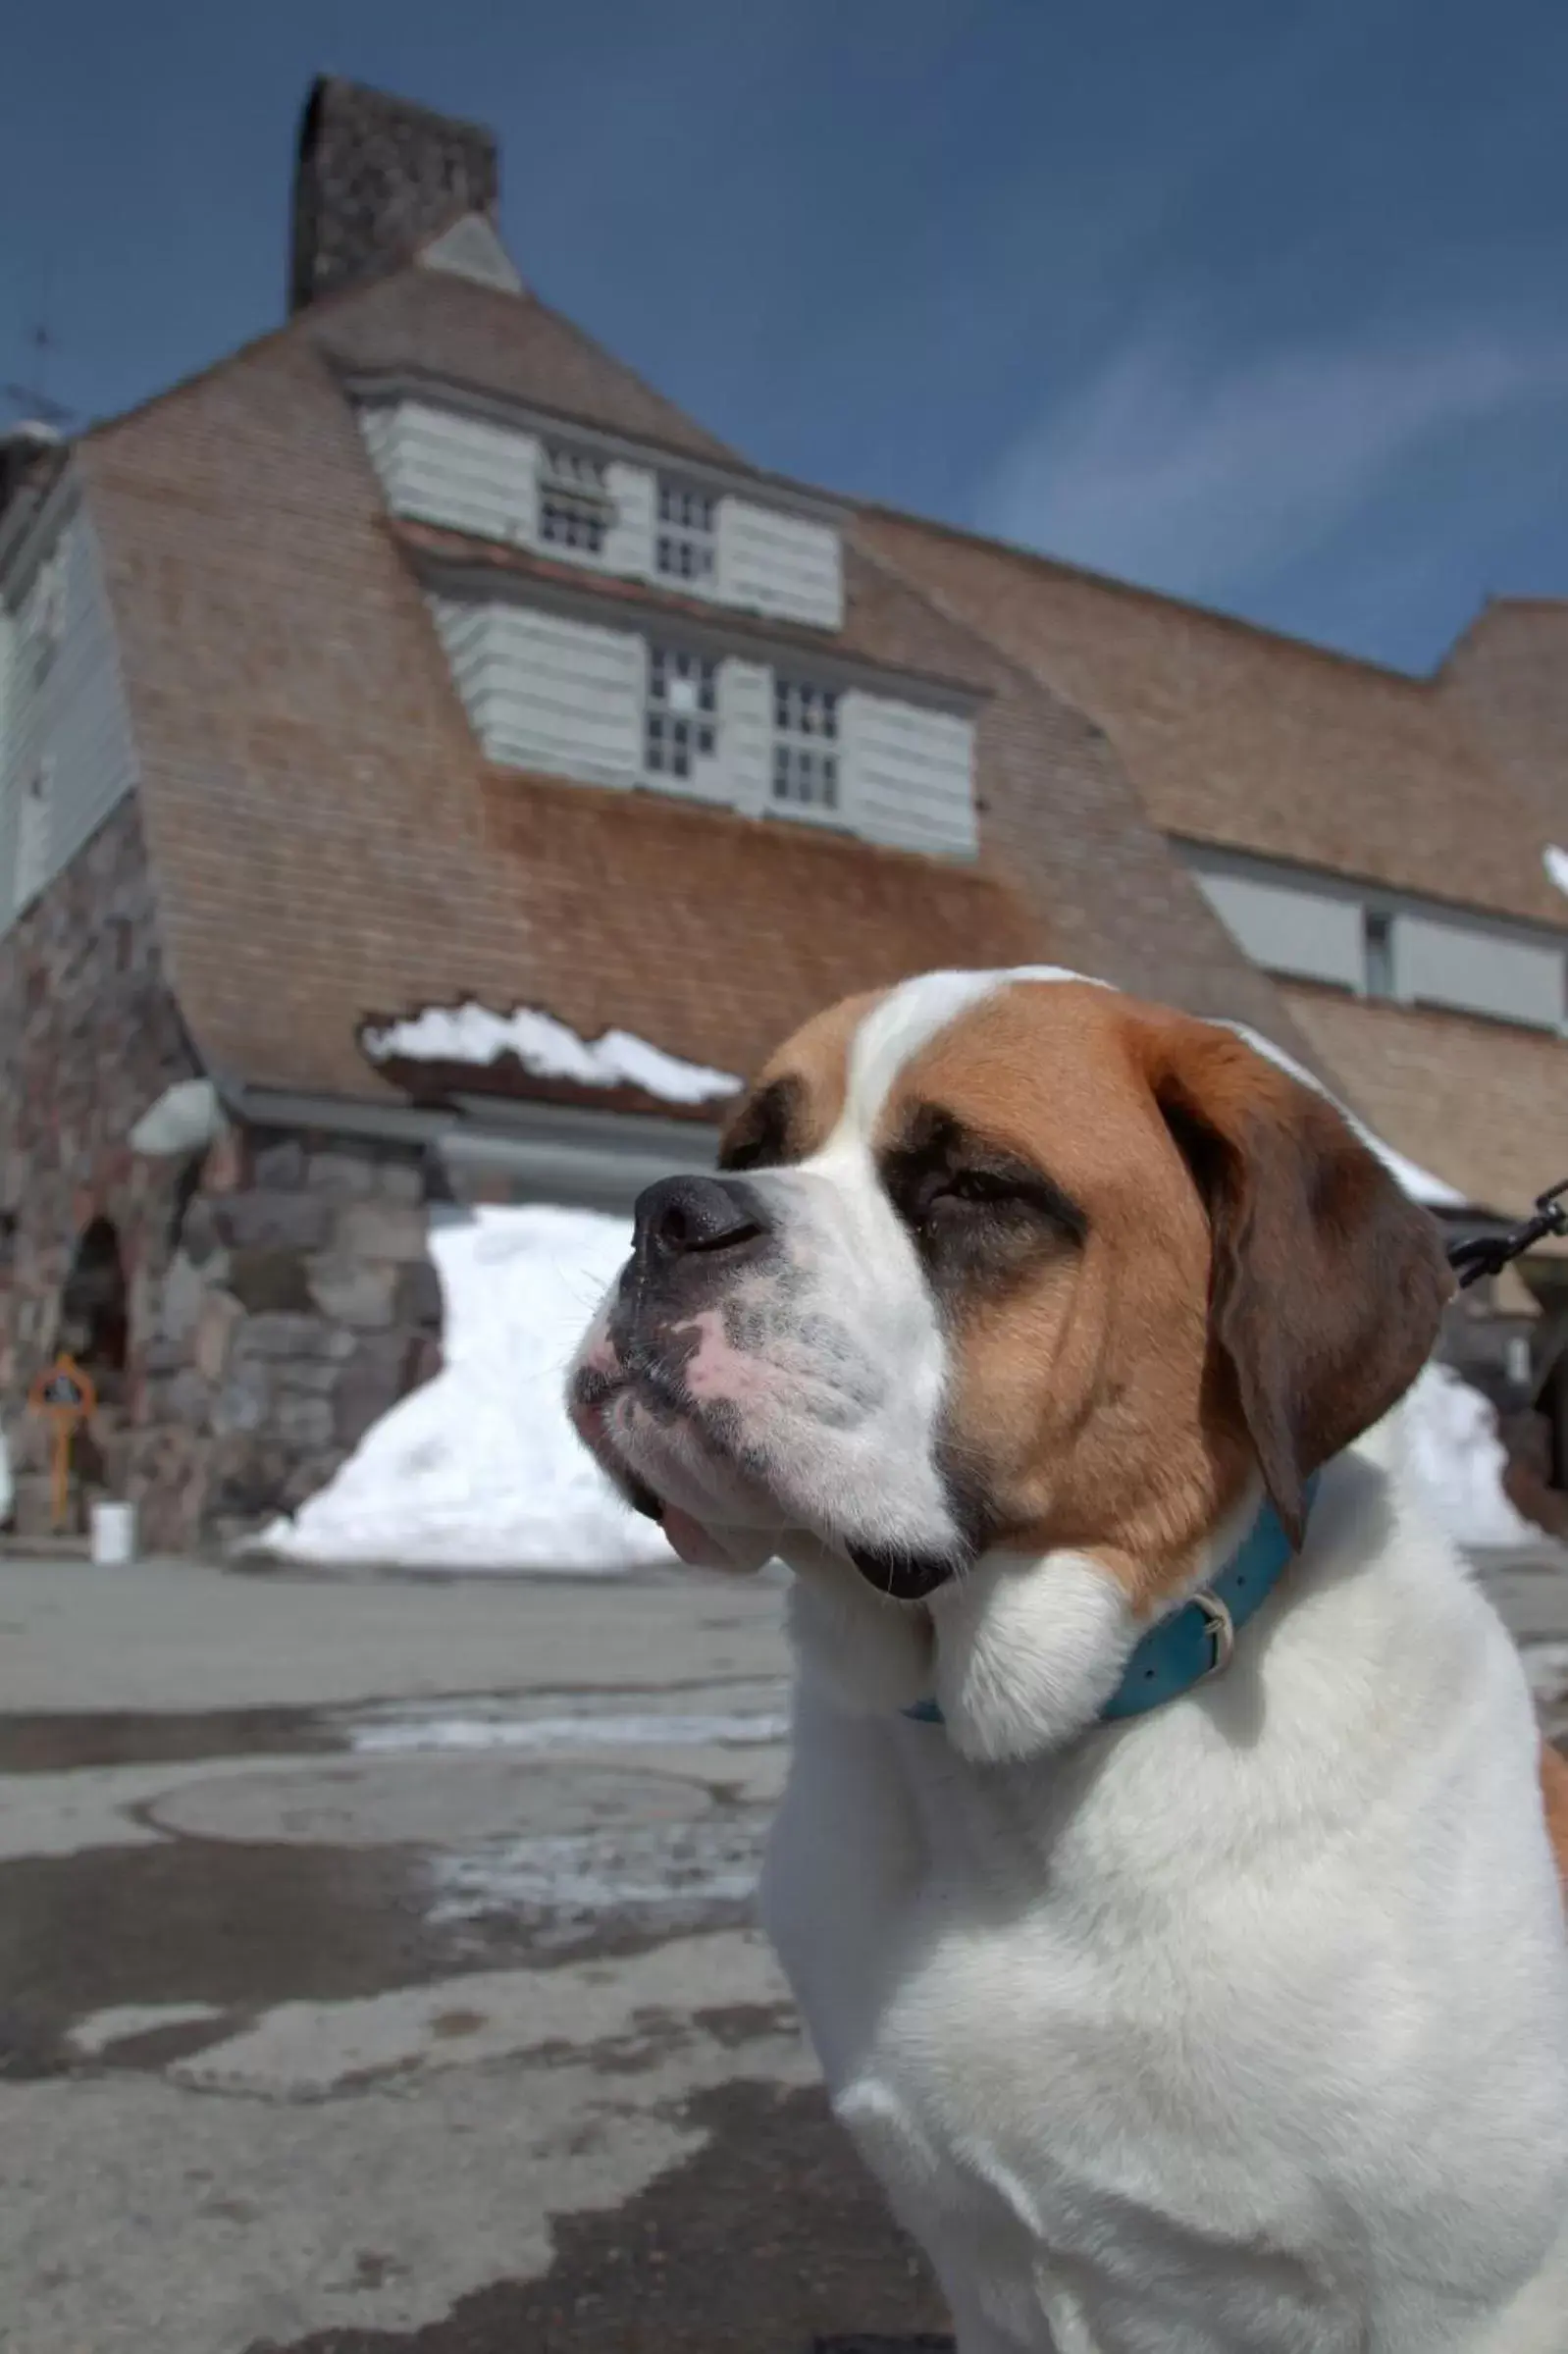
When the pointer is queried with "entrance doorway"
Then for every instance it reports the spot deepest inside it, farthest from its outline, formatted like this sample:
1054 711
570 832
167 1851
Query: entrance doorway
94 1308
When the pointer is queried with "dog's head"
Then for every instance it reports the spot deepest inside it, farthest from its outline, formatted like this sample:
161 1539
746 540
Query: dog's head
1006 1261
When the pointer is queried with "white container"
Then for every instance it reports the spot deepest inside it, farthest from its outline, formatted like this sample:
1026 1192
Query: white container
114 1533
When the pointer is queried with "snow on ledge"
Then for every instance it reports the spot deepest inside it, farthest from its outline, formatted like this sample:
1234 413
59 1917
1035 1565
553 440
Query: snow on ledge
1419 1183
548 1049
1555 862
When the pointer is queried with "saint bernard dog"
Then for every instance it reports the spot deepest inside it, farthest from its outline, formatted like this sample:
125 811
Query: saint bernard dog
1166 1871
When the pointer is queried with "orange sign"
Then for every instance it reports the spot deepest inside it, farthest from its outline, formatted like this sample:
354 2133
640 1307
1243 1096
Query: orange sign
65 1392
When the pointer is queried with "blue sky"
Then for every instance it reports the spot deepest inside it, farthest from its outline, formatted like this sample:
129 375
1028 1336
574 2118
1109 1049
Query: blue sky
1264 304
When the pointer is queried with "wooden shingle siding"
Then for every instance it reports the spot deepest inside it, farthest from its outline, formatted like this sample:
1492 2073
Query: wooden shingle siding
459 471
782 566
62 721
1436 962
1308 934
906 775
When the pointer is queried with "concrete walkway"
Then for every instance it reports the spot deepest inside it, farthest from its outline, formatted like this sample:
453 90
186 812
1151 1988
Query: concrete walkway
376 1971
377 1975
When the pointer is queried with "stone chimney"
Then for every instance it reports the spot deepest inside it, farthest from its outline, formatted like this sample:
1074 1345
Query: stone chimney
375 178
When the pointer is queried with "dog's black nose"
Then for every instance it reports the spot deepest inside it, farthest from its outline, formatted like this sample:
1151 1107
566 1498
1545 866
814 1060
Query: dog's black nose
683 1216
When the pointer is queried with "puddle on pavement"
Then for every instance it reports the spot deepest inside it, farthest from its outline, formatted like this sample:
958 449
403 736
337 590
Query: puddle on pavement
742 1710
52 1745
769 2239
334 1878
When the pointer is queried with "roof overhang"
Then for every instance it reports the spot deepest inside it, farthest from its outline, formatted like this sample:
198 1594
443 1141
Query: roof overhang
540 1152
370 385
447 563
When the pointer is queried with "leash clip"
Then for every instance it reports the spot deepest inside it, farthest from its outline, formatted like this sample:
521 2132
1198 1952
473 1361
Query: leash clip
1221 1627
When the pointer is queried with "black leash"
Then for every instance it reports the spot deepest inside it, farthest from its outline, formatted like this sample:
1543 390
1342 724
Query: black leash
1489 1254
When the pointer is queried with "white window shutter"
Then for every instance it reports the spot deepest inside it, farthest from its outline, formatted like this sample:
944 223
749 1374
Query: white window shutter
745 732
907 775
629 540
462 473
782 566
562 697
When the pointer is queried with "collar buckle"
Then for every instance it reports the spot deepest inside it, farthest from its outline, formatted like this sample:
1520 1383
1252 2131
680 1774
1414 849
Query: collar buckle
1222 1631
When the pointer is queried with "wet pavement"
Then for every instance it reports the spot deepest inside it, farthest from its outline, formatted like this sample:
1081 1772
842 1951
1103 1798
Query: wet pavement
376 1972
377 1975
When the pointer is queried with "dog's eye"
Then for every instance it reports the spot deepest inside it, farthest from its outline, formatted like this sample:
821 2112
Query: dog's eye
970 1189
977 1186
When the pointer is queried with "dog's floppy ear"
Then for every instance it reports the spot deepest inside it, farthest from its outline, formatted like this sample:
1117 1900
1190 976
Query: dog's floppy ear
1326 1281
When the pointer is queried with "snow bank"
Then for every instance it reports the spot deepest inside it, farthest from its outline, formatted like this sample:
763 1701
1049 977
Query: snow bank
549 1050
480 1469
1457 1460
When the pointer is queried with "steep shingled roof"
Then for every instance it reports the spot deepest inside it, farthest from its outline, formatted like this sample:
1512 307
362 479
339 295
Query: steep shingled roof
327 839
1236 736
510 346
1483 1104
1507 680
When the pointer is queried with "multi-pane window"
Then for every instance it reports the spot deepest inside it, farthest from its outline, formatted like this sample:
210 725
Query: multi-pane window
685 548
575 509
804 745
682 714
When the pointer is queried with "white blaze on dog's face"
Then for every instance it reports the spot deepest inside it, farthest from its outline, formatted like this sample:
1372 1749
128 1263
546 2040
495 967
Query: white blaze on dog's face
1006 1263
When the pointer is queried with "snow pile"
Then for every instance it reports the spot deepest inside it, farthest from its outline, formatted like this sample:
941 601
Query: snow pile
1418 1183
186 1118
480 1469
1458 1460
1555 862
548 1049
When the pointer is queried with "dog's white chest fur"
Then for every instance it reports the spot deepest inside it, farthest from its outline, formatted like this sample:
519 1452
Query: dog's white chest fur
1240 2029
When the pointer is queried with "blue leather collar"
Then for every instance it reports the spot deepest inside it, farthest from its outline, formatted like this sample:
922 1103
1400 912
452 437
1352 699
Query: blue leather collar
1195 1641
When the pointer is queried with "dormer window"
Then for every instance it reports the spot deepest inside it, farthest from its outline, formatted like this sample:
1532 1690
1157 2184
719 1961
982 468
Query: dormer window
682 713
686 543
804 745
575 508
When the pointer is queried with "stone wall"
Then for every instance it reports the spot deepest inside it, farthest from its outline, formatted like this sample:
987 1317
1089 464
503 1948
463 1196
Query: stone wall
299 1305
90 1037
278 1293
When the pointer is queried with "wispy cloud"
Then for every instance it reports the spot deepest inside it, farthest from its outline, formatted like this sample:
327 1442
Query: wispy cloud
1177 468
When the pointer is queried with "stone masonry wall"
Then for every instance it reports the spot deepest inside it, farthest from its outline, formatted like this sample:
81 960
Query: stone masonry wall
278 1293
301 1304
90 1037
